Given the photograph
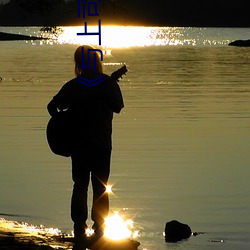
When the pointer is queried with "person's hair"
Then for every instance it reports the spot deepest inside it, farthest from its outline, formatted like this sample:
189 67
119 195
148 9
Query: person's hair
95 68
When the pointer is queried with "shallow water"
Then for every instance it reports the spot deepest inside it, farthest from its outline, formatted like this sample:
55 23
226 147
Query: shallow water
180 146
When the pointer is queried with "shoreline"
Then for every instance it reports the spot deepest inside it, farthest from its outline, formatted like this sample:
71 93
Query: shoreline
16 235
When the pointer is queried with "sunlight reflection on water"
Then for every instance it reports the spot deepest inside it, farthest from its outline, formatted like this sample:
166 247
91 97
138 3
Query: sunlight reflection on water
136 36
123 37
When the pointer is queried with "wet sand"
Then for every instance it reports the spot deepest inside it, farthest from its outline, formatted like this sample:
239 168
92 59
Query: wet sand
15 235
8 241
12 241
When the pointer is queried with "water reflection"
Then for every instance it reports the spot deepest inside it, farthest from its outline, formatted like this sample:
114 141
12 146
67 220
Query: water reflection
112 36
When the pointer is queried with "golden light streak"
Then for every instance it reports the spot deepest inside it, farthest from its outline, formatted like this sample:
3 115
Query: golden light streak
22 227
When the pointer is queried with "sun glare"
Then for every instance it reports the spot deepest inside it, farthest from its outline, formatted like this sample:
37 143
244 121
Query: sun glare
109 189
128 36
112 36
118 229
124 37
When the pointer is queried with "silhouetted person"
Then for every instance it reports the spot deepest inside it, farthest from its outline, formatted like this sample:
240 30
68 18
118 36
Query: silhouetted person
92 110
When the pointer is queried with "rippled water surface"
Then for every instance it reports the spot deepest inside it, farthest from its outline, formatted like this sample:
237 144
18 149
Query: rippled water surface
180 146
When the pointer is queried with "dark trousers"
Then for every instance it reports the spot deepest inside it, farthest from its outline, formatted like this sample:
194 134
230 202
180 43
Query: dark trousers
86 163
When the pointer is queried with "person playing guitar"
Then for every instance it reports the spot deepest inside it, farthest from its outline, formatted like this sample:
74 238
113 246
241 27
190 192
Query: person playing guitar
81 127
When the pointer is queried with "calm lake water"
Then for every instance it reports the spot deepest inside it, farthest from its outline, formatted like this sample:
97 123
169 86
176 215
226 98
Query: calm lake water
180 146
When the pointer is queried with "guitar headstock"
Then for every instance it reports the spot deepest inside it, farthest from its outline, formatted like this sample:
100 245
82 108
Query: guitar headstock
119 73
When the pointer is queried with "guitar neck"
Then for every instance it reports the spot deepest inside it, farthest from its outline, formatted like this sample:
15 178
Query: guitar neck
119 73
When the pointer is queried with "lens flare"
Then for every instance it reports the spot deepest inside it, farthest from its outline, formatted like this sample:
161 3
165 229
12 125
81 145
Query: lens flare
89 232
108 189
117 228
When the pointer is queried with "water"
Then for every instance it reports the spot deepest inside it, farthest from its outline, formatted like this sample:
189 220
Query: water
180 146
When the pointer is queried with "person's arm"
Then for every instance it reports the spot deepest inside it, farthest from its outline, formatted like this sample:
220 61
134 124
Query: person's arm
52 108
59 101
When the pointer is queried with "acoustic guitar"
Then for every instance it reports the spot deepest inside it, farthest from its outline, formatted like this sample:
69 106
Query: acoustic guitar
59 127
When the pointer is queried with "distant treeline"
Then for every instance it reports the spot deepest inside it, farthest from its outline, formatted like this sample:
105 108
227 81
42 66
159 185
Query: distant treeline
217 13
57 12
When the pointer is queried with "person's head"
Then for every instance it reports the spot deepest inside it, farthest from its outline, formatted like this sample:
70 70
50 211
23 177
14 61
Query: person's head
84 53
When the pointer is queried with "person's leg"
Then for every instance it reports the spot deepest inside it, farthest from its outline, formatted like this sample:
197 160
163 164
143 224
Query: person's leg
79 207
99 178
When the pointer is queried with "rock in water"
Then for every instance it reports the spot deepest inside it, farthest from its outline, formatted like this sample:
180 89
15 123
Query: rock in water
176 231
240 43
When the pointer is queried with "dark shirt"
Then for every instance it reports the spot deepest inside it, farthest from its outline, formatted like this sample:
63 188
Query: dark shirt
92 110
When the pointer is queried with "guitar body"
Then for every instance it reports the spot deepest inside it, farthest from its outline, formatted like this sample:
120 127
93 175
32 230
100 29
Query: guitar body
59 133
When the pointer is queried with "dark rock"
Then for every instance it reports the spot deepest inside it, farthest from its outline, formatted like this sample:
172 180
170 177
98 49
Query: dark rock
13 37
240 43
176 231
